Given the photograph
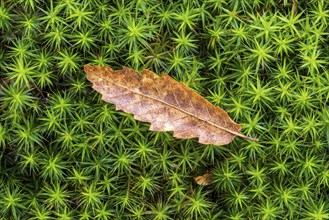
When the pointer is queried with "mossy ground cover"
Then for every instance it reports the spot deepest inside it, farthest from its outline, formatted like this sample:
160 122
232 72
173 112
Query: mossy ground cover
65 154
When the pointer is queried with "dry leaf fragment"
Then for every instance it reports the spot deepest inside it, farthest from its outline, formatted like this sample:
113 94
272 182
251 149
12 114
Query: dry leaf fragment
165 103
204 180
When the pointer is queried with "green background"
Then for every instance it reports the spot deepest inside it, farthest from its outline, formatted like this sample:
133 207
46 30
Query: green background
66 154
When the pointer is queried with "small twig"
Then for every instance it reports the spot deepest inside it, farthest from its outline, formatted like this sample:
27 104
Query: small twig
39 90
295 7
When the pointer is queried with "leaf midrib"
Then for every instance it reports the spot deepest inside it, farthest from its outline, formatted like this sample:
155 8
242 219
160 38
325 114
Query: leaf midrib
180 109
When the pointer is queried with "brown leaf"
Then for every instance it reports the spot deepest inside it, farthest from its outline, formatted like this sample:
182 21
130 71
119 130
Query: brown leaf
167 104
204 180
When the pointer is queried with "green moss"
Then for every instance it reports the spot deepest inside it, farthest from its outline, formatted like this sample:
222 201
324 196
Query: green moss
66 154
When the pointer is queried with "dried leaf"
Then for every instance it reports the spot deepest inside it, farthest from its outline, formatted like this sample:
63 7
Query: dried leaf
204 180
167 104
